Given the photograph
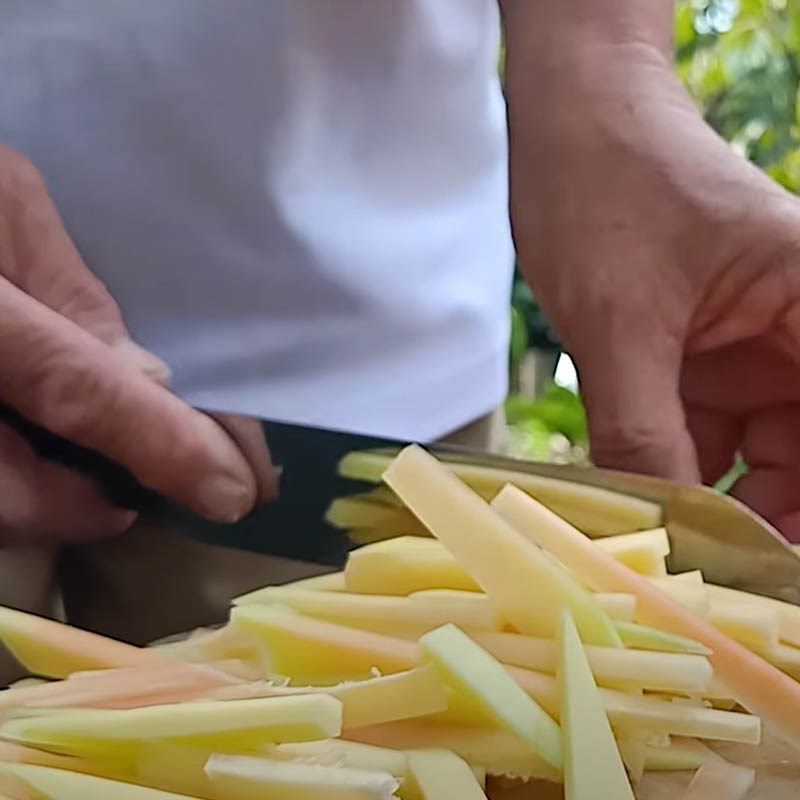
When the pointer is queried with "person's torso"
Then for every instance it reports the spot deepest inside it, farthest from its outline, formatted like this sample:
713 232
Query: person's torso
301 206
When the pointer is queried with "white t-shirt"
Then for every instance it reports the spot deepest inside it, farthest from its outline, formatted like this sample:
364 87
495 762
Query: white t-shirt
301 205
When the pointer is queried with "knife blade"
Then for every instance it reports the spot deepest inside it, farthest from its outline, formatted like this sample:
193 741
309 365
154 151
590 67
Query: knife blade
731 544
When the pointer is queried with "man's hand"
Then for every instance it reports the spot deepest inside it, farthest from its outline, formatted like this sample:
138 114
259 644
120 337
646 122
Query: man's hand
669 265
68 364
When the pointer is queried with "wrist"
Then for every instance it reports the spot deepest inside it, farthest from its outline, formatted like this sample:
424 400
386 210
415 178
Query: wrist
601 98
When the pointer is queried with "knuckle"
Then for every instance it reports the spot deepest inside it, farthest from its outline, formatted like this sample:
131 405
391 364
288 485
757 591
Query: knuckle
73 398
86 299
617 442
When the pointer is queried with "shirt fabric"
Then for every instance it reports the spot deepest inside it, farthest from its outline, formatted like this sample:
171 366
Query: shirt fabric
300 205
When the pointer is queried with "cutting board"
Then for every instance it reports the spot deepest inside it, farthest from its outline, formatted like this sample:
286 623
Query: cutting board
777 769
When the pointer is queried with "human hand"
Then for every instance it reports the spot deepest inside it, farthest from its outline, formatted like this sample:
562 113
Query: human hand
68 364
671 269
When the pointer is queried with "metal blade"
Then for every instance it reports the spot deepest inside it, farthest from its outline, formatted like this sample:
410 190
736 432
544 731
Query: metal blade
731 545
717 534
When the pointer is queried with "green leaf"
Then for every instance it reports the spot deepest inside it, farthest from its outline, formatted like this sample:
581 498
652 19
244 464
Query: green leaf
559 410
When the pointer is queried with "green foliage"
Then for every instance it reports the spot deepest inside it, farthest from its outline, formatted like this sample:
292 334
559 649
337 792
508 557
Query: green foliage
539 333
740 59
548 426
559 409
729 479
519 339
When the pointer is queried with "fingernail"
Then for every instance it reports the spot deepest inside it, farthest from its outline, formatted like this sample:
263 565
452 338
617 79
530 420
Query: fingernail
274 489
224 498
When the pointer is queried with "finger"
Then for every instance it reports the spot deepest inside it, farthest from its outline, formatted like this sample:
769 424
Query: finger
742 378
789 526
772 492
716 438
66 380
249 436
772 438
44 262
43 502
771 449
635 412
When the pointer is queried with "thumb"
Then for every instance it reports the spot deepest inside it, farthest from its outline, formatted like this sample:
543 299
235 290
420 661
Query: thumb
636 417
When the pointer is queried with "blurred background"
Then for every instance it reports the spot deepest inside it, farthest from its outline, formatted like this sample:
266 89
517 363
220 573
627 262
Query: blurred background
740 60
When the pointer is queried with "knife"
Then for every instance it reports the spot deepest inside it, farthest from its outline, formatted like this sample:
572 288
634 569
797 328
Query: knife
730 543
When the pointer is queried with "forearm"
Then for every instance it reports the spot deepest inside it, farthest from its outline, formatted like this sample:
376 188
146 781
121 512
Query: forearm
604 139
568 35
590 84
572 62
